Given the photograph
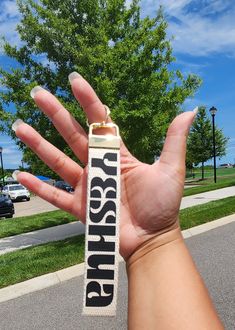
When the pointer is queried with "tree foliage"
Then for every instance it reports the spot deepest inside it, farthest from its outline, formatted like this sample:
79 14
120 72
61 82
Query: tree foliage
125 57
200 141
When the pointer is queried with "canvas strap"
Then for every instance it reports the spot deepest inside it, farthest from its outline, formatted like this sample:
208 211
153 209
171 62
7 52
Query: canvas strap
102 222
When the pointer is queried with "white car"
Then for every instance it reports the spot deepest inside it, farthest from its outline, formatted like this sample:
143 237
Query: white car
16 192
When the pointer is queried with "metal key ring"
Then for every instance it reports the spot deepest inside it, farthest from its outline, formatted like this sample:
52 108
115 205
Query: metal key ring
107 113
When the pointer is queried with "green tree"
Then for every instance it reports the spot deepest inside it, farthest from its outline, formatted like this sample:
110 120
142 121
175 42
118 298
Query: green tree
124 57
200 142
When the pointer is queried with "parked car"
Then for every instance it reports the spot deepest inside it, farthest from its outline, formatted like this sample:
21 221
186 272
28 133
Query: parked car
16 192
64 186
6 207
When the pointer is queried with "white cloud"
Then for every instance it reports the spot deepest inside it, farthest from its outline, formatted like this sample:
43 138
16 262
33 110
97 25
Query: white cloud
200 28
171 7
128 3
201 37
189 67
9 18
9 10
11 154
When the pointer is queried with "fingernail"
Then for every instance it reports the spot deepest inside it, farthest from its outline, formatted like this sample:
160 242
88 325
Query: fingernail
14 174
196 110
74 75
16 124
35 90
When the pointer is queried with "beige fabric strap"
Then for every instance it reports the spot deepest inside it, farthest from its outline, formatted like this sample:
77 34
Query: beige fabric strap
102 230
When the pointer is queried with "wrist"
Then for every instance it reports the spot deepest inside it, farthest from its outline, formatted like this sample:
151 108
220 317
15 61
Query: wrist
164 287
153 244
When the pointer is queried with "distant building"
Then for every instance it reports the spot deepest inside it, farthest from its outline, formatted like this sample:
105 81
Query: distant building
228 165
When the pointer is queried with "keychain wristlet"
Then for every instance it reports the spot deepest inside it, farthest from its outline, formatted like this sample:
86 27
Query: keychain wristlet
102 221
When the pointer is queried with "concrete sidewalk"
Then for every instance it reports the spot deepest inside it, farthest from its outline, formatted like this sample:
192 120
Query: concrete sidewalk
47 280
207 197
56 233
59 305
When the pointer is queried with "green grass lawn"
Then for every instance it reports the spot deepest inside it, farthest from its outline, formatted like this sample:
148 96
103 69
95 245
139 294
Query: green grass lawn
197 215
21 225
208 185
16 226
24 264
209 172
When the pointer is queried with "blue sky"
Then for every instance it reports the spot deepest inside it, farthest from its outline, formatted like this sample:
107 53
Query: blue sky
204 44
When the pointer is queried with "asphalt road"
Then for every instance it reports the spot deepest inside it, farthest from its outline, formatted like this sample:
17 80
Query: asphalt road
34 206
59 307
38 205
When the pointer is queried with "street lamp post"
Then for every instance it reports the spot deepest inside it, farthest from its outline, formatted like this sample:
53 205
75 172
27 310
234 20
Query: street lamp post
2 167
213 111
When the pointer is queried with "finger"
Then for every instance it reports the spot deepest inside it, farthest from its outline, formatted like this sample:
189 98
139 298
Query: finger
57 197
64 122
174 150
93 107
84 93
65 167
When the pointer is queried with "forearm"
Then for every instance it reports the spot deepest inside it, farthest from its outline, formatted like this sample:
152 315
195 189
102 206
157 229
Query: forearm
165 289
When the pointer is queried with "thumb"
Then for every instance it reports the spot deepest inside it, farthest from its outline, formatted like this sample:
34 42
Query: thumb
174 150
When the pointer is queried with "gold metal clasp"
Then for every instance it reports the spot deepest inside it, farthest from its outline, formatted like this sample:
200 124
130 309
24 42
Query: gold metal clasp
107 113
108 140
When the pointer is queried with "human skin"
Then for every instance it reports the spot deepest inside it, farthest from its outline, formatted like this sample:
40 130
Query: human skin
150 201
158 186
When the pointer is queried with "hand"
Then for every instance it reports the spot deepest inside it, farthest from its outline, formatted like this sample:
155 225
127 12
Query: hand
150 194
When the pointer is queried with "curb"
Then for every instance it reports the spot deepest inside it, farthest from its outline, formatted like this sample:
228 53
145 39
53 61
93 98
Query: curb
208 226
40 282
47 280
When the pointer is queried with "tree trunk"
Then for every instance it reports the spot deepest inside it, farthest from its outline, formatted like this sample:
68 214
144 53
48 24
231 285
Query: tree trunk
202 170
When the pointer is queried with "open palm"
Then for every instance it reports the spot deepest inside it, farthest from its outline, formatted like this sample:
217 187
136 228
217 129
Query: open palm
150 194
